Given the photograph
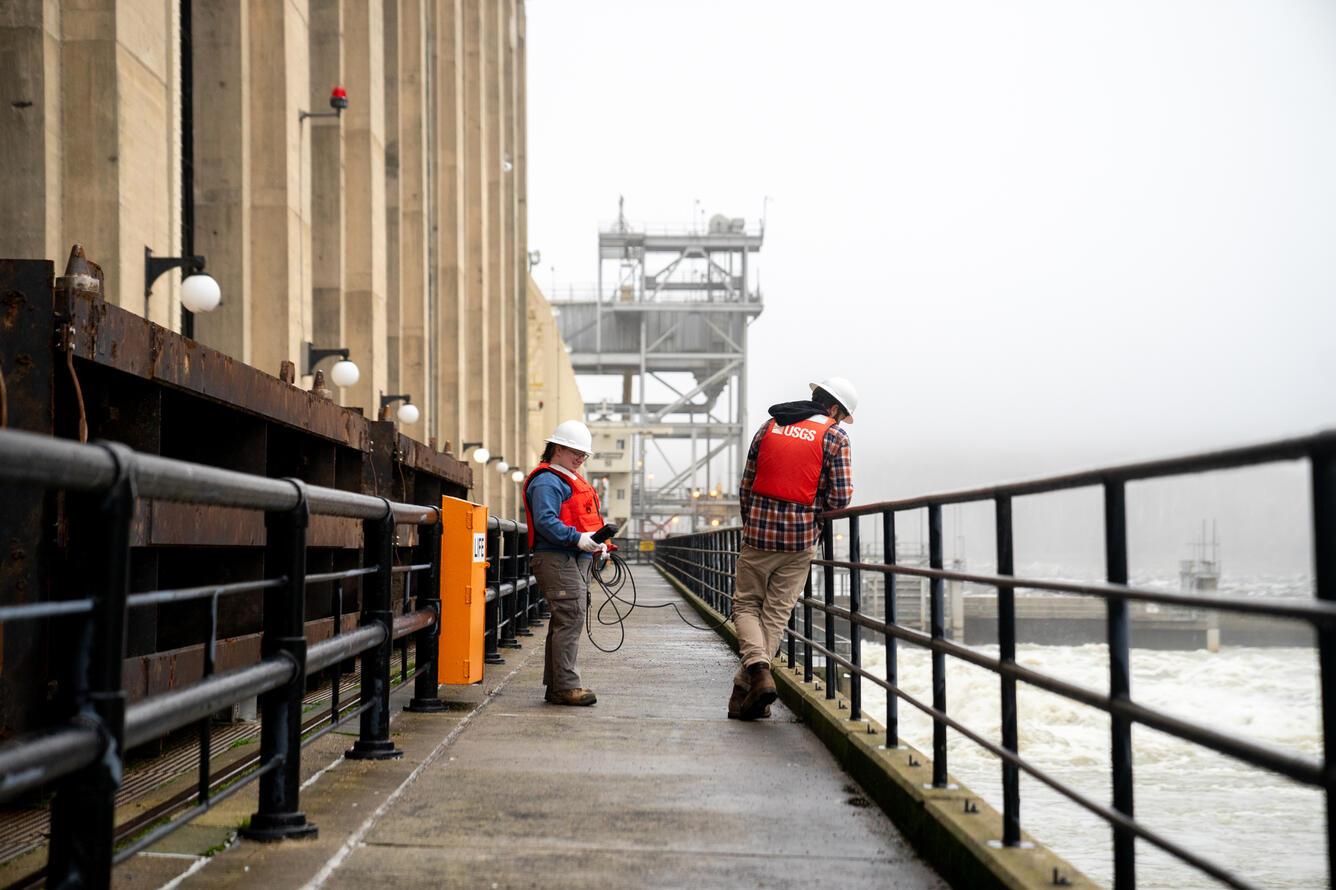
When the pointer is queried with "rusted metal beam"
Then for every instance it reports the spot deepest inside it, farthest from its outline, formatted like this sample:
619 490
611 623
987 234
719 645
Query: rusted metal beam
114 338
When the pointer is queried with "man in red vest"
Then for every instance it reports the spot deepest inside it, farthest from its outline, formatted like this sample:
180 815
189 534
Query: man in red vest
798 466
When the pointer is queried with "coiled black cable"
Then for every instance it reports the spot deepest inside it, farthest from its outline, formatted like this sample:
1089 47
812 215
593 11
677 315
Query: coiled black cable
614 602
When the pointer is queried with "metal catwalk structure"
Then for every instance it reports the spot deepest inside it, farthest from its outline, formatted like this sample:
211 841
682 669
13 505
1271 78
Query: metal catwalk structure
670 320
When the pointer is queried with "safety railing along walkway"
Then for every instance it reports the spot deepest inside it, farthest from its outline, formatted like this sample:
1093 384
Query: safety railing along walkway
82 755
704 563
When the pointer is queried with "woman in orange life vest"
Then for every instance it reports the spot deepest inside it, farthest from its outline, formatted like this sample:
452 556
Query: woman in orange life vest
563 513
798 466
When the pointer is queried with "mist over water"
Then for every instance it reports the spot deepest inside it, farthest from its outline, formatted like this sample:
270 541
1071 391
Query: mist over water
1266 828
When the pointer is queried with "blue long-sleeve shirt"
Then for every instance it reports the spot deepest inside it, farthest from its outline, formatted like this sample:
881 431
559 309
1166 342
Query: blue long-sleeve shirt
546 493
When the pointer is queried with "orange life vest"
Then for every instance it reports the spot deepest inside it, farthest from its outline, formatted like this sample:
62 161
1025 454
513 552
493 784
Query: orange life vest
788 461
580 511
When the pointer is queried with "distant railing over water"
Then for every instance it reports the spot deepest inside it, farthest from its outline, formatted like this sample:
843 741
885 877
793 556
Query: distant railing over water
82 754
705 564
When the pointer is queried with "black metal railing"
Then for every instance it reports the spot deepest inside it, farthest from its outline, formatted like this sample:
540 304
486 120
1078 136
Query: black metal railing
703 563
513 598
82 755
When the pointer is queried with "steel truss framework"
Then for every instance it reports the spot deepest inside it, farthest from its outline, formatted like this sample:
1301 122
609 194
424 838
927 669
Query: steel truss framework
673 325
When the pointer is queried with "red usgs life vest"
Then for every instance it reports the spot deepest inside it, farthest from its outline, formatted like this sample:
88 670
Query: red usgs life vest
788 462
579 511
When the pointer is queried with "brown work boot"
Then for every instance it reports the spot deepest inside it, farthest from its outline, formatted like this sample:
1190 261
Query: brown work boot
735 704
762 691
579 697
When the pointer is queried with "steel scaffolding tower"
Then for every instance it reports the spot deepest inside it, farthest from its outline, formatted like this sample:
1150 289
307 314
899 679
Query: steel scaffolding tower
673 327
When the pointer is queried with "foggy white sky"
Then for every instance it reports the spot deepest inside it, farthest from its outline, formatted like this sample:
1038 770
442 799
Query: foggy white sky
1039 236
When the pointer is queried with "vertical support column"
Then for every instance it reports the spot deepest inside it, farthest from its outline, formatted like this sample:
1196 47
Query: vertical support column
425 698
278 210
476 384
1120 682
364 193
447 163
323 175
222 150
828 620
378 551
938 631
1006 643
278 816
411 288
493 235
855 632
1324 531
84 807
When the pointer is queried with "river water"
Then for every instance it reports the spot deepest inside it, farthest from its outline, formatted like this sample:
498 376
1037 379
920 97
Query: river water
1265 828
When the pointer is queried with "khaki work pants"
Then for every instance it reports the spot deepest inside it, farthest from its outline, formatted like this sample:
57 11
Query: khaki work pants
564 579
769 583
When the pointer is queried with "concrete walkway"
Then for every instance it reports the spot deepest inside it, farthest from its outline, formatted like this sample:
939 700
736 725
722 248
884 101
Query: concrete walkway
651 787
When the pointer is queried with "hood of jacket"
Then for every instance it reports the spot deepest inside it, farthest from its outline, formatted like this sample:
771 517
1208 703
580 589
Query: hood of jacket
786 413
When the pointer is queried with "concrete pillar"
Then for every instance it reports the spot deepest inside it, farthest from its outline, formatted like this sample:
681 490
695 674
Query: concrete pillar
221 50
447 209
279 236
120 182
507 297
476 383
393 261
493 222
322 176
519 179
364 184
30 116
411 285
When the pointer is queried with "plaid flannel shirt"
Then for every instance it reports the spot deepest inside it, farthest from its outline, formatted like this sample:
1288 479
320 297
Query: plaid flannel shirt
770 524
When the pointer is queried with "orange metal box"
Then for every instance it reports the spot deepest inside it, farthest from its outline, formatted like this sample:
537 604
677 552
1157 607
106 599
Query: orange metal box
463 591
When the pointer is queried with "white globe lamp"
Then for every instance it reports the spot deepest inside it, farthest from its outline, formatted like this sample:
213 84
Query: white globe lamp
502 467
408 413
200 293
480 455
344 373
517 476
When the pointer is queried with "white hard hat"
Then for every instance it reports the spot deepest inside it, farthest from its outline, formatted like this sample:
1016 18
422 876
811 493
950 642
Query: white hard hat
572 434
843 391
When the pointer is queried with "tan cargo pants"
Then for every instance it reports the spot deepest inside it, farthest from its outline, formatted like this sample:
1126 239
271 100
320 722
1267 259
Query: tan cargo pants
769 583
564 579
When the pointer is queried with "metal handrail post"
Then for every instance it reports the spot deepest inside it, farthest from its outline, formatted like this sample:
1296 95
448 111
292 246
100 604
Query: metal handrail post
1120 682
890 608
377 550
807 628
492 614
279 815
83 810
855 632
827 619
735 541
426 699
937 590
509 599
1324 530
514 551
1006 644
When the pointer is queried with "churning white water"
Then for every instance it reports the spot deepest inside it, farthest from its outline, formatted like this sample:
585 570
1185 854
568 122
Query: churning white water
1265 828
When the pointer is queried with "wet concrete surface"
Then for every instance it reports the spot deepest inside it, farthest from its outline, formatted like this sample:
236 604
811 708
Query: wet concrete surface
650 787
